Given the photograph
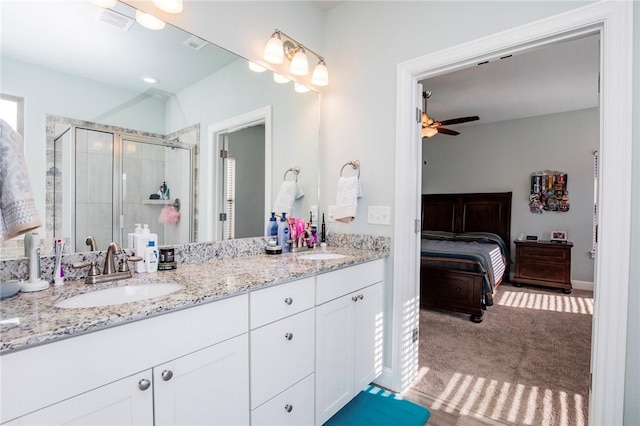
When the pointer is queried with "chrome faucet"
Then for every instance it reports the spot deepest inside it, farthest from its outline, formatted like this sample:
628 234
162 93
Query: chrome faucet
110 273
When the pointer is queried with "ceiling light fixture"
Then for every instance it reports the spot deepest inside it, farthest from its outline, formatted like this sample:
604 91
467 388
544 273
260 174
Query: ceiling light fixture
427 131
150 80
169 6
149 21
276 50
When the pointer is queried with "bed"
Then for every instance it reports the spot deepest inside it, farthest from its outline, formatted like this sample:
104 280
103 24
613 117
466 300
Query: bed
465 250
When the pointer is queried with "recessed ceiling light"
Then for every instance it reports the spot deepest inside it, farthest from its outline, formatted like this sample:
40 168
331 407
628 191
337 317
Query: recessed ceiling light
150 80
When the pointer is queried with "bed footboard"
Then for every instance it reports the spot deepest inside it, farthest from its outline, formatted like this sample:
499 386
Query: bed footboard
455 290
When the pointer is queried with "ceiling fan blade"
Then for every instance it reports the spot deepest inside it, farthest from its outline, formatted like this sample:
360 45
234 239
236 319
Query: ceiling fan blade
447 131
458 120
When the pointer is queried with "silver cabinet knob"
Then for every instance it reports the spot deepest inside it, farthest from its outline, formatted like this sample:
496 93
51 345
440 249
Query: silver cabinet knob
288 300
288 336
144 384
288 408
166 375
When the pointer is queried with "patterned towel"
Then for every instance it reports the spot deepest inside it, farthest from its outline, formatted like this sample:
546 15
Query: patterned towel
287 194
349 190
18 213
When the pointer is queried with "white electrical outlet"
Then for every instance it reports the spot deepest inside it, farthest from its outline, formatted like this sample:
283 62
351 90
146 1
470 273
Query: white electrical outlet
379 215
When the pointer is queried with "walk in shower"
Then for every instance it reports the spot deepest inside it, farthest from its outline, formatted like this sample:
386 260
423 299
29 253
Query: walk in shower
106 179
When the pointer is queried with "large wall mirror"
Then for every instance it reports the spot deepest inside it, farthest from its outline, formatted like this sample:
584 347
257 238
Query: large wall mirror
100 141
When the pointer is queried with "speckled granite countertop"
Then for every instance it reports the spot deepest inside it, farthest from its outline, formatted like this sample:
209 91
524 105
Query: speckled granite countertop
28 319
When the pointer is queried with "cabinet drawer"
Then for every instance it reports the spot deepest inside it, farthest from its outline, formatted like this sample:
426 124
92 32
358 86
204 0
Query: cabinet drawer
273 303
282 353
294 406
542 271
332 285
546 253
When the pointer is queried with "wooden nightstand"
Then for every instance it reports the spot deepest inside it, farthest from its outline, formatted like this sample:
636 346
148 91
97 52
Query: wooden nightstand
544 263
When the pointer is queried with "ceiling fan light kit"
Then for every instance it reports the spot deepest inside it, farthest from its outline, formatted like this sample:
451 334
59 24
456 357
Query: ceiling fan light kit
431 127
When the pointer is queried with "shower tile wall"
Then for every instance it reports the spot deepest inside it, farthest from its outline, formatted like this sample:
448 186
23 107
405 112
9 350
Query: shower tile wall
94 183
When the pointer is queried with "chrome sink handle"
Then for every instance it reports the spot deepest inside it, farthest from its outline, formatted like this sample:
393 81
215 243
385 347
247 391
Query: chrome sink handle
93 268
123 265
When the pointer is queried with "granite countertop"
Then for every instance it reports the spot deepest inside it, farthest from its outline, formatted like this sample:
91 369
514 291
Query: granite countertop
28 319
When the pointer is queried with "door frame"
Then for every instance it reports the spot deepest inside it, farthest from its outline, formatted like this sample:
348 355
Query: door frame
614 22
211 165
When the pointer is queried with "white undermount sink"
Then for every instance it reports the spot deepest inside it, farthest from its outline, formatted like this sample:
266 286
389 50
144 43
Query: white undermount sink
321 256
119 295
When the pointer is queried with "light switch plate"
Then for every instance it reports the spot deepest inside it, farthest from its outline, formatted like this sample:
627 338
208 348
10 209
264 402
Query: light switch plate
379 215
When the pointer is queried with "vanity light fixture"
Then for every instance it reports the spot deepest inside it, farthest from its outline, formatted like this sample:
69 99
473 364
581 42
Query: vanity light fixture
169 6
149 21
256 68
106 4
300 88
276 50
279 78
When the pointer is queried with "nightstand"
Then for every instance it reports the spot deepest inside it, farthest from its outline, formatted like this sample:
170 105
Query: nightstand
544 263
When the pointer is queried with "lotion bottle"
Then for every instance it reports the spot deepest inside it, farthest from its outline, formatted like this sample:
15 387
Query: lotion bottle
283 233
151 257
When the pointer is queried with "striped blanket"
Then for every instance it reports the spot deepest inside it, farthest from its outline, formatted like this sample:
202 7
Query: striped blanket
468 255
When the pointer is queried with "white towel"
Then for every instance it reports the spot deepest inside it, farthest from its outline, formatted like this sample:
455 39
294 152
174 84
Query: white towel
287 194
349 190
18 213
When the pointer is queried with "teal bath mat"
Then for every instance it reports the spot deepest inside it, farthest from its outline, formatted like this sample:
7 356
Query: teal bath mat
375 406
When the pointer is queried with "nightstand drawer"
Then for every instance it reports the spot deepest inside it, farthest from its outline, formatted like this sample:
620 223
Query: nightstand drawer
545 253
541 271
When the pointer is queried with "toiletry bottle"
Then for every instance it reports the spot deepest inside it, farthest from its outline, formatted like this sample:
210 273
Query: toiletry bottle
141 241
131 235
151 257
283 233
272 226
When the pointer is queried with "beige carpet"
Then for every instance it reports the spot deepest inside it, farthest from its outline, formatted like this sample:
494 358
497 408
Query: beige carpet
527 363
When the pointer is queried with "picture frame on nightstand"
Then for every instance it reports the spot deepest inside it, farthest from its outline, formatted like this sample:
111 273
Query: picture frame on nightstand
559 236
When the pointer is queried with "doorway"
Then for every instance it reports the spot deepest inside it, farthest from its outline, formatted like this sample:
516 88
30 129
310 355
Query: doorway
612 261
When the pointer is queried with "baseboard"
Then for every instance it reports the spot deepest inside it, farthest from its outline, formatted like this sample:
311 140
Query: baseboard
582 285
385 380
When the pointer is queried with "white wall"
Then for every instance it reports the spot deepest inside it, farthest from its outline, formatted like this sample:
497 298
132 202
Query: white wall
500 157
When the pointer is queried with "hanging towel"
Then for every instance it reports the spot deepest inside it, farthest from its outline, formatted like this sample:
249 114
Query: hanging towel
18 213
349 190
289 192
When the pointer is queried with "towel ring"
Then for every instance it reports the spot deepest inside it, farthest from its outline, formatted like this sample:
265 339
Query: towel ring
176 204
355 165
295 171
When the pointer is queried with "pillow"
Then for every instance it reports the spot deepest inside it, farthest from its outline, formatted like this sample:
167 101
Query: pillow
438 235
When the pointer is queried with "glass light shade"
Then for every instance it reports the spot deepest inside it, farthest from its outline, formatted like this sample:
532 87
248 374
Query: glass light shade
300 88
256 68
320 75
274 51
149 21
427 132
104 3
299 63
279 78
169 6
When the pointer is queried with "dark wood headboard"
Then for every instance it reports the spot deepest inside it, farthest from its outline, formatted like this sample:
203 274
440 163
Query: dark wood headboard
478 212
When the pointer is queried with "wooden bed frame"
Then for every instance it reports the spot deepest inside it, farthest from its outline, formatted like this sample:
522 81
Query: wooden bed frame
456 290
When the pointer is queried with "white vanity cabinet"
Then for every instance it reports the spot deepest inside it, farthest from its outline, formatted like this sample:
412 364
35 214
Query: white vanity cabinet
349 330
117 376
282 341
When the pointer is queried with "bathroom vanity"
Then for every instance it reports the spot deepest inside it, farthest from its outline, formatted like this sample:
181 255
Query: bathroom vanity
250 340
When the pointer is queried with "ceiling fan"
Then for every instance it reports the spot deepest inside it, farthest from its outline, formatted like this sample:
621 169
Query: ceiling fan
431 127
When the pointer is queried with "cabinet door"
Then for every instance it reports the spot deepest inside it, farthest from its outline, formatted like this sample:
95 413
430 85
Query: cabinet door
128 401
207 387
334 356
368 332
